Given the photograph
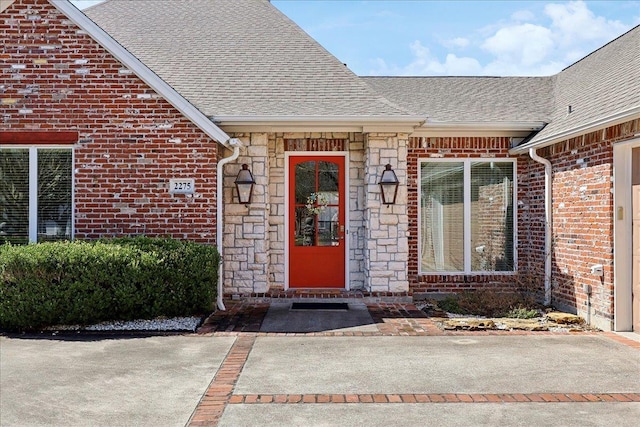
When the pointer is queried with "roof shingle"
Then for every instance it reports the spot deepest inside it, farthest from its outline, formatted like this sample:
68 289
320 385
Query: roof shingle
238 58
470 99
604 83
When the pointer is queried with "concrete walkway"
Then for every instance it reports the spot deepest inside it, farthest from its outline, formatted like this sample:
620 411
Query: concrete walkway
394 370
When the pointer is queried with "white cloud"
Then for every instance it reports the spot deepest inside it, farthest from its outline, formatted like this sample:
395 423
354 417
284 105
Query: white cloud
425 63
573 22
523 16
458 42
525 45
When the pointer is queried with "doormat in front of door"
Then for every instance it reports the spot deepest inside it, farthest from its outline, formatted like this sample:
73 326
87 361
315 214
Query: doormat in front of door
325 306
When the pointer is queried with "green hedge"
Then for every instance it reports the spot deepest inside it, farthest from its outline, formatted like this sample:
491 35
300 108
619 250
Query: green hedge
118 279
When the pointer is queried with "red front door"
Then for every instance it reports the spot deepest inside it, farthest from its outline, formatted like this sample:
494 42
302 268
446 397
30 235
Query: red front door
316 222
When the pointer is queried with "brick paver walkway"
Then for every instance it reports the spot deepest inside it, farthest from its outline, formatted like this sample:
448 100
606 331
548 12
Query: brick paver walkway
243 319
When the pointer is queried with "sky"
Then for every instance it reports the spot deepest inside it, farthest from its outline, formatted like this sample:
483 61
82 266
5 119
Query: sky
459 38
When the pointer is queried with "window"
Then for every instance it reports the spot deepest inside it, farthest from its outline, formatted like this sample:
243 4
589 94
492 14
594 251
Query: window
35 194
466 216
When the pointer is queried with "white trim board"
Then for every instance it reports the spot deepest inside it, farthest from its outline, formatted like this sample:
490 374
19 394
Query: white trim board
622 236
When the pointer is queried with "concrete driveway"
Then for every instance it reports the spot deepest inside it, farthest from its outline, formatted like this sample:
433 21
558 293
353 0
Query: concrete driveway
248 379
154 381
551 380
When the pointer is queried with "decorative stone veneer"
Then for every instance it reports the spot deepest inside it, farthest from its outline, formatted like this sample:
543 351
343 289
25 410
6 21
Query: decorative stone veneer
246 228
254 236
386 231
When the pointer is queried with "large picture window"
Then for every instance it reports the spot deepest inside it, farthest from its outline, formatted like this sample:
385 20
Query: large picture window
35 194
466 216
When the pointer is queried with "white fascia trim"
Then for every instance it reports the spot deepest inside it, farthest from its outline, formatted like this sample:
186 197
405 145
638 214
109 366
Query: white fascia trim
324 120
141 70
612 120
366 124
461 132
482 126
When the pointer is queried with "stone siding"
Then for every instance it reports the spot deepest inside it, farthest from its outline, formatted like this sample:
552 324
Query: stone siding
377 234
386 226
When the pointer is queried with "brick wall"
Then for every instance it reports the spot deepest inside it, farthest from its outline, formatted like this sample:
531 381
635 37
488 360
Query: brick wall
54 77
583 219
456 148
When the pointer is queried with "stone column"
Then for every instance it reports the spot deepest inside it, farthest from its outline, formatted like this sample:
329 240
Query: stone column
277 211
246 228
386 226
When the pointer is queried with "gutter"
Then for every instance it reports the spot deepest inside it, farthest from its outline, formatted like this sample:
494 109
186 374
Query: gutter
235 143
548 218
502 126
611 120
416 120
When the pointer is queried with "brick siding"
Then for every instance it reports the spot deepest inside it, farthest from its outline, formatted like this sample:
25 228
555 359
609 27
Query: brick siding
583 219
54 77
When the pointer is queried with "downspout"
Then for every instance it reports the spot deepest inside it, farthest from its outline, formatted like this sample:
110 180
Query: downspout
236 144
548 217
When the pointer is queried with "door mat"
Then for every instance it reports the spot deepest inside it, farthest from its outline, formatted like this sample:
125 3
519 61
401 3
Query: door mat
326 306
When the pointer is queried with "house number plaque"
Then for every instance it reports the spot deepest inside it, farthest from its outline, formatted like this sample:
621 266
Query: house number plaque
182 186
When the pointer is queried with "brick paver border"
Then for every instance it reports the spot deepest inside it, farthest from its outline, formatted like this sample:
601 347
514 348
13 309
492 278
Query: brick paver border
402 320
212 404
432 398
623 340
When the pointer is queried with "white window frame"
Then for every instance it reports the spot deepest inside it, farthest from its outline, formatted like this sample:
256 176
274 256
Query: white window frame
33 184
467 161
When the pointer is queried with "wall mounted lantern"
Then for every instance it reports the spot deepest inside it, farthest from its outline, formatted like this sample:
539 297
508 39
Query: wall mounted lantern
389 186
244 185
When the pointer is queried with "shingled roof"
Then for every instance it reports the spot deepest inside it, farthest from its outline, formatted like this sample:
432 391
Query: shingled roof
239 58
598 90
470 99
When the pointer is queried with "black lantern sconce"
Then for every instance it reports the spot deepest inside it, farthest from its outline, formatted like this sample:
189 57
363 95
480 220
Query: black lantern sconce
389 186
244 185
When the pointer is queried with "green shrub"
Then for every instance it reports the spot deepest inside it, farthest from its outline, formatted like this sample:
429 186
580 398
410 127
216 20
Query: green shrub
450 305
119 279
489 303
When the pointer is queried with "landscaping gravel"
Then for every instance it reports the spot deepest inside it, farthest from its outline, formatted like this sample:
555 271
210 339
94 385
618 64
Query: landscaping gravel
176 324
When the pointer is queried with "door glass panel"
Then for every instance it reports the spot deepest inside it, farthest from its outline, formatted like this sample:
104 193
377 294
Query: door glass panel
328 227
305 181
317 204
305 234
328 176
